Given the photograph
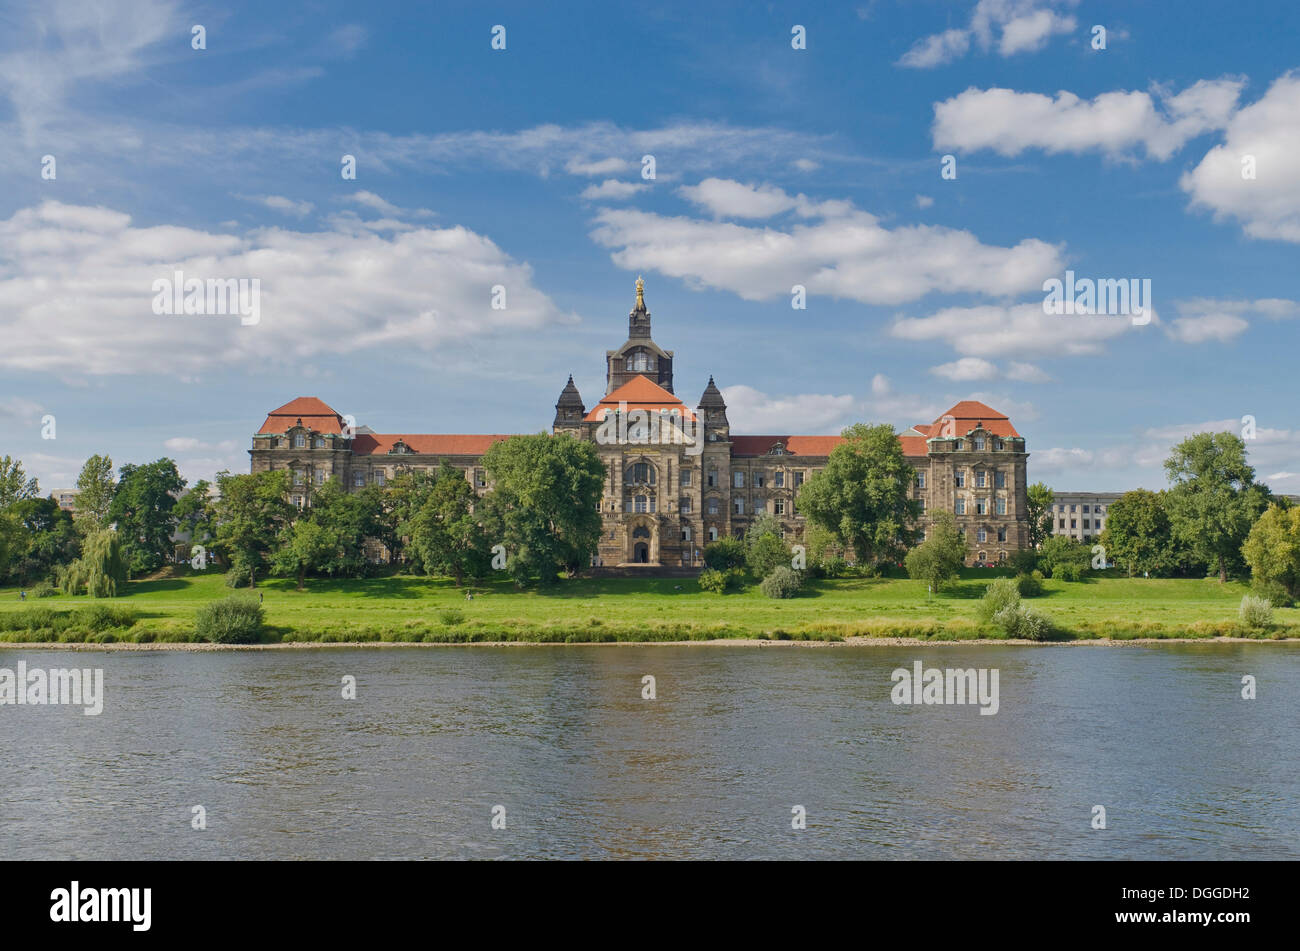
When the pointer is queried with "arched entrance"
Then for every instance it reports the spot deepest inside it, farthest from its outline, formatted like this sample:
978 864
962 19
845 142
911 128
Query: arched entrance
641 553
640 548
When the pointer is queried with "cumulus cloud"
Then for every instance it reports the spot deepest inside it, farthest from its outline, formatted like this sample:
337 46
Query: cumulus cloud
1008 26
924 201
299 209
1266 134
967 369
76 292
1203 319
368 199
1114 123
1014 330
612 189
190 444
1220 327
841 252
725 198
755 412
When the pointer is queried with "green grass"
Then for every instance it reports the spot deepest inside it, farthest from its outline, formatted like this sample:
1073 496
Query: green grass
402 608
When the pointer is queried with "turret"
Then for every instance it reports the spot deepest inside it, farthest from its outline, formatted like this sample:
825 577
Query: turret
569 409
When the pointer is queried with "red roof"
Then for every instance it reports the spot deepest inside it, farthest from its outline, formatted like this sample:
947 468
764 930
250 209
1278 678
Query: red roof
315 415
968 414
436 444
639 393
799 445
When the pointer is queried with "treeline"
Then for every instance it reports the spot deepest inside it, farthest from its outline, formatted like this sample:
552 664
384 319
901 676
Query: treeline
540 519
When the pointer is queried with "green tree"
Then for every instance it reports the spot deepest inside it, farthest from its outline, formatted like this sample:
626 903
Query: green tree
47 539
95 489
15 484
1139 535
939 559
251 514
403 497
543 506
100 570
351 518
1272 549
304 546
1038 505
724 554
1062 557
196 513
142 507
765 550
445 534
862 496
1214 500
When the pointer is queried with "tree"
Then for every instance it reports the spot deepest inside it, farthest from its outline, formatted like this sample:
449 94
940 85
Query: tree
14 483
304 546
725 554
1064 558
196 513
1139 535
95 490
1214 499
1272 549
46 539
938 559
251 513
403 497
765 550
1038 504
350 518
100 570
862 496
445 534
142 509
543 506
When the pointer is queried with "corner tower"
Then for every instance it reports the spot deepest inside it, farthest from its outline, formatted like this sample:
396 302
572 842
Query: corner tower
640 355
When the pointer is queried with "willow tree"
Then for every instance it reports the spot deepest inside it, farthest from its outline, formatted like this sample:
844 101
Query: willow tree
100 569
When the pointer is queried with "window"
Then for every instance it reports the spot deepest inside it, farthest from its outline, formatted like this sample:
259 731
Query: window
686 477
959 507
739 506
713 506
1073 524
298 477
1002 534
299 440
713 533
684 506
478 479
778 478
760 505
922 501
778 506
1002 507
379 478
1085 512
297 500
959 478
798 479
1060 523
686 534
713 477
979 443
981 536
739 479
640 473
640 362
999 480
1087 523
758 481
638 503
653 500
1072 508
979 480
960 444
920 480
981 507
320 476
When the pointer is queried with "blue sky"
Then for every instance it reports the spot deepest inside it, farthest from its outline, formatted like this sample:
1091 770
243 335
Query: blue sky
774 166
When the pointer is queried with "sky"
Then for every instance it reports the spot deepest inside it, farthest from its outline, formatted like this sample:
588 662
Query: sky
921 169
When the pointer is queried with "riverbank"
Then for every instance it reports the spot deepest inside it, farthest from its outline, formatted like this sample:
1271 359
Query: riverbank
400 609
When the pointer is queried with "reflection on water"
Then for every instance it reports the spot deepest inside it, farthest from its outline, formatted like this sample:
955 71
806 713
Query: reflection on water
560 736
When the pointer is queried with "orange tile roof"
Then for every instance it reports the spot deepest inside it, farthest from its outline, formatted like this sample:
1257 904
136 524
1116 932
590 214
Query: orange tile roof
799 445
432 444
968 414
639 393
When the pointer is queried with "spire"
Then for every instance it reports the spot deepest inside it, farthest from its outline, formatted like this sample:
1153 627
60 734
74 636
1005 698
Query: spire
638 322
640 293
713 410
569 409
712 398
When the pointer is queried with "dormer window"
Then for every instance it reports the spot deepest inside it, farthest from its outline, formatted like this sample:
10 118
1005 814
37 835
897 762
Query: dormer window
640 362
778 450
299 440
979 443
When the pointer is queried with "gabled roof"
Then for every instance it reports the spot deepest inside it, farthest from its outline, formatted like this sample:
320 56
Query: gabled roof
640 392
314 413
796 445
967 415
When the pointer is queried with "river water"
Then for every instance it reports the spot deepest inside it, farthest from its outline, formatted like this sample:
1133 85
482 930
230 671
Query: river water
584 767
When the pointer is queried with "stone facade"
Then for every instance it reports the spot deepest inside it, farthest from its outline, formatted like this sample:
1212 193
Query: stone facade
677 477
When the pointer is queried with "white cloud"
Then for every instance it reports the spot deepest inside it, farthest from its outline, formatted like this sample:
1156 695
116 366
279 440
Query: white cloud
1202 319
606 166
288 206
847 254
1115 123
1012 26
1027 373
725 198
612 190
752 411
1220 327
190 444
370 200
924 201
1268 130
806 164
76 288
20 409
967 369
1015 330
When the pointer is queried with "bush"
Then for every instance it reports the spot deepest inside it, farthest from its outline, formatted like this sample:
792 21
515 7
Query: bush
783 582
1020 621
451 616
1274 592
725 553
232 620
1025 561
834 566
1067 571
43 589
236 578
1030 586
713 580
1256 613
101 617
1001 595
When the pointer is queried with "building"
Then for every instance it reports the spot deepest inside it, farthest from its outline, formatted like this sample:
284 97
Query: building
678 477
1081 515
67 498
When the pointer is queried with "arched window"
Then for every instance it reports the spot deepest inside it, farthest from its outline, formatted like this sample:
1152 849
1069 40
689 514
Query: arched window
640 532
640 473
640 361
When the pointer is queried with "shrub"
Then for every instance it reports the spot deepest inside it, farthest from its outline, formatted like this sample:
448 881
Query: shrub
713 580
783 582
725 553
1067 571
1002 594
1274 592
232 620
43 589
834 566
1256 613
101 617
451 616
1028 585
1020 621
236 578
1025 561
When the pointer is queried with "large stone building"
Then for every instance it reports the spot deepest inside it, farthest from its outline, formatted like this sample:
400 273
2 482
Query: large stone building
678 477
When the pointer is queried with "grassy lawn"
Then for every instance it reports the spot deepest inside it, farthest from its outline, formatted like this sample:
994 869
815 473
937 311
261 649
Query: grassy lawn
403 608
